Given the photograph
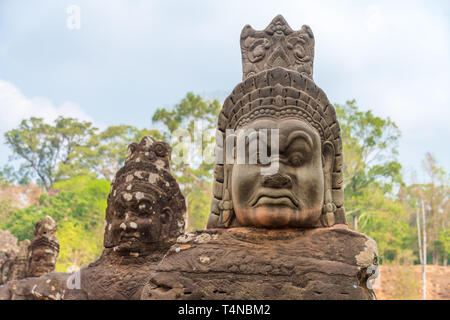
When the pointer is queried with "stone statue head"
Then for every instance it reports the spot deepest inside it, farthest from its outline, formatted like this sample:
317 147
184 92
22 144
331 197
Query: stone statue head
16 265
44 248
279 95
145 206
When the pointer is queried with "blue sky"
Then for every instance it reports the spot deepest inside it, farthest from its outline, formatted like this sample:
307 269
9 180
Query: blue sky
131 57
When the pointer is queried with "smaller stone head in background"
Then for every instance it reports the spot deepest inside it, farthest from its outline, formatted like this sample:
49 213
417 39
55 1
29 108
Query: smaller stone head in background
16 265
44 248
145 206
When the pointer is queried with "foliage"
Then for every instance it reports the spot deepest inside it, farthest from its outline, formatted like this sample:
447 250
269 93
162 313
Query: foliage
79 246
372 179
199 207
194 180
68 148
6 210
41 146
435 194
370 149
104 153
385 220
78 207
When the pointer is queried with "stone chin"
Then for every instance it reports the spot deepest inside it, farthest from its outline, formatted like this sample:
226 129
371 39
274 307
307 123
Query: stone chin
278 216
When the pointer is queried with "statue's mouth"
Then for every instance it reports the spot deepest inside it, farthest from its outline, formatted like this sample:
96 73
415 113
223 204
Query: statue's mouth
129 238
276 197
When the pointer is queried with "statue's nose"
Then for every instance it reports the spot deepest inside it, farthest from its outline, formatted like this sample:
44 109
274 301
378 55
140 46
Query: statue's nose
277 181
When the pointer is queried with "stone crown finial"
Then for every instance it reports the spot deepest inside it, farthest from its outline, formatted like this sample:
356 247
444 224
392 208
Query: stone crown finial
277 46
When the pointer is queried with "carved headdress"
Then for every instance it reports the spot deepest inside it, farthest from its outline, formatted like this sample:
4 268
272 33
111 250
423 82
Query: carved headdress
277 83
45 234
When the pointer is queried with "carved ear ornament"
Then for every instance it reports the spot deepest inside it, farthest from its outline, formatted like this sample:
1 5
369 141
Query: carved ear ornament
328 218
226 205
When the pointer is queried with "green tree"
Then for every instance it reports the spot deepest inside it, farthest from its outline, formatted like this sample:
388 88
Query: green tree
372 177
370 157
42 147
105 152
6 210
435 195
79 246
386 221
195 180
68 148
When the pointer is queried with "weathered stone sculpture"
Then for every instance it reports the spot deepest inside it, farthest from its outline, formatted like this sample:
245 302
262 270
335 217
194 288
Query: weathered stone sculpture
44 248
281 235
145 207
307 189
16 266
8 249
144 217
35 258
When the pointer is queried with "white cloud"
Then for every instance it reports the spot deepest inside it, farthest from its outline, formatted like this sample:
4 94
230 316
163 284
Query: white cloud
14 107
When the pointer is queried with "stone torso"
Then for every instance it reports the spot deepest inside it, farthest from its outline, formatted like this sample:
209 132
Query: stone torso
250 263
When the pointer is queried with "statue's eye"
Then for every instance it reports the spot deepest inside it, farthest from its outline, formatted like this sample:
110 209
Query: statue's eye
296 159
144 206
120 209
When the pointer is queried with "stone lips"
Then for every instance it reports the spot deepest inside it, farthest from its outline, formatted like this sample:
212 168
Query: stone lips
280 93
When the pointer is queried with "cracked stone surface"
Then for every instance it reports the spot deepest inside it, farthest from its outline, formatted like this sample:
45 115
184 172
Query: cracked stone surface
247 263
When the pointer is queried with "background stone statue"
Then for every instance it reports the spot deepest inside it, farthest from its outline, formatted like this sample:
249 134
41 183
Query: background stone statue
33 258
145 207
16 266
8 249
44 248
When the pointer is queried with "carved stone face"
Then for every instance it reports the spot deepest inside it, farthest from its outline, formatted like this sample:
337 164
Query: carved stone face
43 261
294 196
140 220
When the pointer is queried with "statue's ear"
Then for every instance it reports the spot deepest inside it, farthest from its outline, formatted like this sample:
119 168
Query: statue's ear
328 157
328 163
108 241
166 215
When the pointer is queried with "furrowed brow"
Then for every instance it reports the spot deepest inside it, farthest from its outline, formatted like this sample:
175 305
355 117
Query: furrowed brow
299 134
